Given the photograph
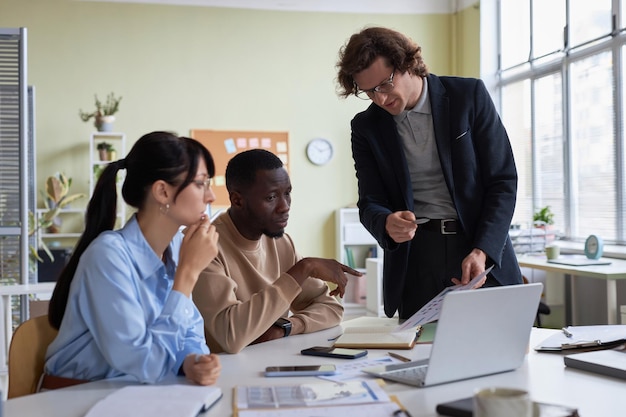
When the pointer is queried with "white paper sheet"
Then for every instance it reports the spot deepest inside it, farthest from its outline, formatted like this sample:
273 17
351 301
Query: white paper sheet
430 312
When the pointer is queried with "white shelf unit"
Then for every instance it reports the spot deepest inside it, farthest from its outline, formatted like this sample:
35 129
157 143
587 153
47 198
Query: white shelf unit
72 224
118 141
354 245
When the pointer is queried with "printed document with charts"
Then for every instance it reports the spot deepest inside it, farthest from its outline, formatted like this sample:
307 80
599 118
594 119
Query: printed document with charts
179 400
385 333
323 399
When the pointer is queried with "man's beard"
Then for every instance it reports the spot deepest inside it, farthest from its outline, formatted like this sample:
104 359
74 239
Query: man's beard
274 235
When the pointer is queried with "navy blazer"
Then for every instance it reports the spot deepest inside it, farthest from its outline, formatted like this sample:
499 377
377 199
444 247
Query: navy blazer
477 163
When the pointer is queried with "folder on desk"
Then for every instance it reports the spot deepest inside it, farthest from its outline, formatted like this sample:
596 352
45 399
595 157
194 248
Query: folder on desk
584 338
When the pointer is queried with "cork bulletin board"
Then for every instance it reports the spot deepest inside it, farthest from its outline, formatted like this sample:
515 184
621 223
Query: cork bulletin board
224 144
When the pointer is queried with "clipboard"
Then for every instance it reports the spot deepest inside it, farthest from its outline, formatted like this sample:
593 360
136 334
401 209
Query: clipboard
584 338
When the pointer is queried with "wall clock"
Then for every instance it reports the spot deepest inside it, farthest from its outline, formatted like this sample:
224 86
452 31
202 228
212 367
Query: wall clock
594 247
319 151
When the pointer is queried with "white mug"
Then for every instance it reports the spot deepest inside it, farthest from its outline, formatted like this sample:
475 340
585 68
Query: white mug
500 402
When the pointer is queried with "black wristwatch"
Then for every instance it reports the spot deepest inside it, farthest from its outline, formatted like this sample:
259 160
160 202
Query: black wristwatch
284 324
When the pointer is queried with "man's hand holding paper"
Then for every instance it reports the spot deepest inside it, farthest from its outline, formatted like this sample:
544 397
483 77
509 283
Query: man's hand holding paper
430 312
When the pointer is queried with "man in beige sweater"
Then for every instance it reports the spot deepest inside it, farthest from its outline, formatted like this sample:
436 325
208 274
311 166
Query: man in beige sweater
246 293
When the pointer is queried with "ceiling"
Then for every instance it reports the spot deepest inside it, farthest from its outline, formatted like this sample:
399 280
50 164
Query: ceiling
334 6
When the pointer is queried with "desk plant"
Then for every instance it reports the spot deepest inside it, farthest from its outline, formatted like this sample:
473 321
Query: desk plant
104 114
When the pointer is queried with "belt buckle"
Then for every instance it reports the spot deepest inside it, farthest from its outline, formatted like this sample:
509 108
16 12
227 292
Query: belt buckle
443 227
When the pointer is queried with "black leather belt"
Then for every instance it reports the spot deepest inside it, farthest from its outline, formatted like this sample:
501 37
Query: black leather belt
444 226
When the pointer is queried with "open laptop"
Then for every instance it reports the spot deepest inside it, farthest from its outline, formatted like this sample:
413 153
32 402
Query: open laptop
479 332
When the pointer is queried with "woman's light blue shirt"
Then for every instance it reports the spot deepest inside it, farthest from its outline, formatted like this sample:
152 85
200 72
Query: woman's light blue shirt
122 317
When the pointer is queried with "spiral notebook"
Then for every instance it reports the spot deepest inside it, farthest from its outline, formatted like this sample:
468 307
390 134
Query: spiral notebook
179 400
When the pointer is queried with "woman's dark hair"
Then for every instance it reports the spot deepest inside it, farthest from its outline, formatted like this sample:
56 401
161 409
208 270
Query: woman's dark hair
364 47
155 156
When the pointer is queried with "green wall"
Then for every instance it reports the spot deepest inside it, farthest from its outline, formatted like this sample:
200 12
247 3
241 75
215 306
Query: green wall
181 67
466 44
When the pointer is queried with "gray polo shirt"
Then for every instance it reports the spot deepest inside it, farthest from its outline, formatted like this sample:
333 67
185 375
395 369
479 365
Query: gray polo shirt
417 134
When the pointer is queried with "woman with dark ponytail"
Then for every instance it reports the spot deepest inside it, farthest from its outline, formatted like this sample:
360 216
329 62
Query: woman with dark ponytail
122 304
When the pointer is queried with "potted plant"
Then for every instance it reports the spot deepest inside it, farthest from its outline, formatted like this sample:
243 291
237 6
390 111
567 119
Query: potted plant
543 218
55 197
104 114
104 151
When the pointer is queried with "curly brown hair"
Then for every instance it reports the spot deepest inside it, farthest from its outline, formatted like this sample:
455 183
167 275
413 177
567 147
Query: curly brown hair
364 47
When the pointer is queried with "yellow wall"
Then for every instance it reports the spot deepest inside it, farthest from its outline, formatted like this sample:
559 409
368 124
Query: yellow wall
182 67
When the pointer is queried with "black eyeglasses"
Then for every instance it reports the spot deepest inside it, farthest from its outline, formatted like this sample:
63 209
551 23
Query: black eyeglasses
384 87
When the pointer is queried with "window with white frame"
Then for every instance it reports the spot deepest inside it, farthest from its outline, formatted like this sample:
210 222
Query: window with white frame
562 86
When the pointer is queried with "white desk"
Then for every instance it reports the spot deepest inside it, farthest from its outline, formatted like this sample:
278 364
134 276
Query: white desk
543 374
610 273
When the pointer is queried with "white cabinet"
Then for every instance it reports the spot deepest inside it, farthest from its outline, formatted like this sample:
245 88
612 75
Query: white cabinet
105 147
354 245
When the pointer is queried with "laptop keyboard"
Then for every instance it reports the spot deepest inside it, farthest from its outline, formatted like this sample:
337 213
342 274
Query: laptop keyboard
412 376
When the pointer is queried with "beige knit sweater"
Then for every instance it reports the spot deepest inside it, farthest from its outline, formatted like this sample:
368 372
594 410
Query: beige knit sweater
246 288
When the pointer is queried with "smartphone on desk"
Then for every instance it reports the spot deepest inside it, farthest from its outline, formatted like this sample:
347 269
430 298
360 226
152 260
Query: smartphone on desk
300 370
332 352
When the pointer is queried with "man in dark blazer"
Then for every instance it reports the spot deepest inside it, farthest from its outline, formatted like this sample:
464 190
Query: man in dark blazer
429 150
